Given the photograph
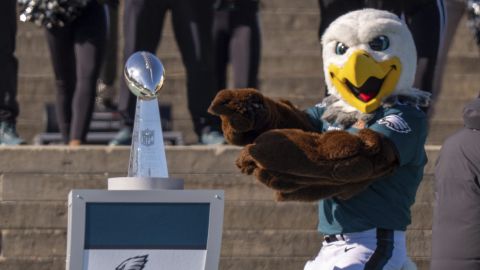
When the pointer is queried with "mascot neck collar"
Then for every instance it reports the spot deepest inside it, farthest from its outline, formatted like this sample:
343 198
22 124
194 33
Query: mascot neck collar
339 114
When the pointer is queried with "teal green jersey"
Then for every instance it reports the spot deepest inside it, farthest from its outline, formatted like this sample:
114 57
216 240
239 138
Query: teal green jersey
386 202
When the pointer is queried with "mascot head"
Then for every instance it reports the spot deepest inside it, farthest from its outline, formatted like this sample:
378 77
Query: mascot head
368 55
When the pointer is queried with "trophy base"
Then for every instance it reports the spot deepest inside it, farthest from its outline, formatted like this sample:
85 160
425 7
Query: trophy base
144 183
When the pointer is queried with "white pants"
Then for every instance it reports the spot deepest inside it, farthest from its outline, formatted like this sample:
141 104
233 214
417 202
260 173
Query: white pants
362 251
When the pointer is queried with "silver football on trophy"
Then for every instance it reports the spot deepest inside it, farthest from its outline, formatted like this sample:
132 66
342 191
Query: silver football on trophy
144 74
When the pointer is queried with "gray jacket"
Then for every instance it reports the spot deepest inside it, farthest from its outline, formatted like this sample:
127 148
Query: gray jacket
456 222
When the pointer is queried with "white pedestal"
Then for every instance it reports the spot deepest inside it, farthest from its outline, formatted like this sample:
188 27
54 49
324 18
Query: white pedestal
144 183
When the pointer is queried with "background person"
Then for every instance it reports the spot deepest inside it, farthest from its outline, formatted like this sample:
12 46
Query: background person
9 69
456 219
76 50
192 24
237 40
108 74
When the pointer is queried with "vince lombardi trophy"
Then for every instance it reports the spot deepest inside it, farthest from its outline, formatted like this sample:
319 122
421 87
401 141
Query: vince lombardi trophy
147 169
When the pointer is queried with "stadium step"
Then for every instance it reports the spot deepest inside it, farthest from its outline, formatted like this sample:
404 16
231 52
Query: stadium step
259 233
104 127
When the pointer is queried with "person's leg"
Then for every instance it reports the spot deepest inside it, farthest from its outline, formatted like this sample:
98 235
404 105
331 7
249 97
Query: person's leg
142 29
9 70
90 35
473 17
60 43
221 39
8 62
332 9
142 26
454 12
368 250
192 24
427 24
325 257
245 46
108 74
109 68
388 5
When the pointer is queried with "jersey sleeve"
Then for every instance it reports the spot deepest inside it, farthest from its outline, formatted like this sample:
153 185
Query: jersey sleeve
407 131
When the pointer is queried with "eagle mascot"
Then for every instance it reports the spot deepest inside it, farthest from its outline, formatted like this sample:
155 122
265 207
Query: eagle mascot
359 153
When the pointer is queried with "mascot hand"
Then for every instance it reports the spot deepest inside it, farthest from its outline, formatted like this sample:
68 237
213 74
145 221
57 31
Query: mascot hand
298 188
337 159
246 113
239 108
242 111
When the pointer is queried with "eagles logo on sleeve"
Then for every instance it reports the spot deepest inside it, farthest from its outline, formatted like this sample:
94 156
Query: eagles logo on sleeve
134 263
396 123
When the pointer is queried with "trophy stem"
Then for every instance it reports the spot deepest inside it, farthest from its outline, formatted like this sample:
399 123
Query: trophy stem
147 153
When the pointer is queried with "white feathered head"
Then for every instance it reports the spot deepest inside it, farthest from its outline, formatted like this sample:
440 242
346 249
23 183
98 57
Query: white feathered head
368 55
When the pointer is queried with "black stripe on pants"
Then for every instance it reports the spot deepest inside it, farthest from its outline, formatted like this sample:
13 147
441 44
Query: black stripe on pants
383 252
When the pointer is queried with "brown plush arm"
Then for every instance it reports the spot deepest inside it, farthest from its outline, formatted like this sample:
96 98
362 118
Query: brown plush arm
336 155
246 113
314 192
298 188
343 162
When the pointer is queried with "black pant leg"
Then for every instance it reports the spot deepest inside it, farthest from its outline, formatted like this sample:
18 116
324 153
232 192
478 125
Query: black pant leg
142 26
332 9
396 7
426 23
8 62
455 11
245 46
109 69
61 45
221 40
90 37
192 24
426 20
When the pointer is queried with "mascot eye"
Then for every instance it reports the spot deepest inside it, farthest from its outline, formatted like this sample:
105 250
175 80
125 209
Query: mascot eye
380 43
340 48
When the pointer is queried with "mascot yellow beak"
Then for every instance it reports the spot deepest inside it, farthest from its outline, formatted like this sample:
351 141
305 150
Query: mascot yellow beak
363 82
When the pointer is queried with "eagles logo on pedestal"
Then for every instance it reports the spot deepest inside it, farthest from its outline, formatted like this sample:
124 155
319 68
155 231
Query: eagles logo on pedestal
134 263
